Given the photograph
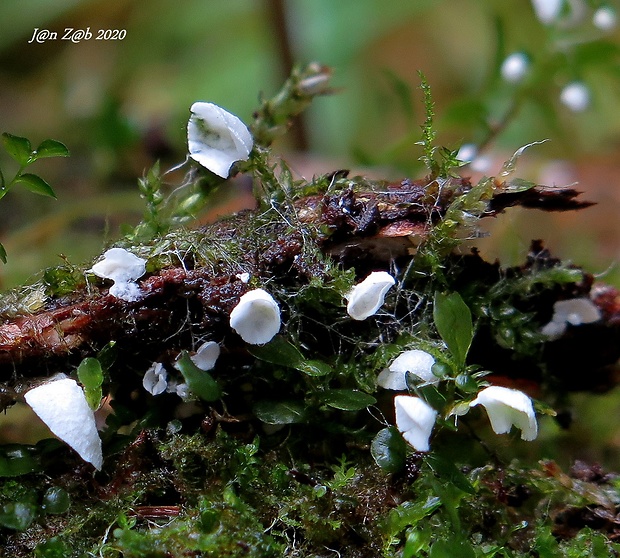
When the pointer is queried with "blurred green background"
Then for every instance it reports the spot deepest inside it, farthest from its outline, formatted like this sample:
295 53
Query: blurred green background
119 105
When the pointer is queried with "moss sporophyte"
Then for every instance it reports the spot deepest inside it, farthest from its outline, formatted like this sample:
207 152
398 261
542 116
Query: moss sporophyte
304 378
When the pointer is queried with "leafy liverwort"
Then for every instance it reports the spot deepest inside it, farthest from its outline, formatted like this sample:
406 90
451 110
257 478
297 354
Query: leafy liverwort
365 298
216 138
507 407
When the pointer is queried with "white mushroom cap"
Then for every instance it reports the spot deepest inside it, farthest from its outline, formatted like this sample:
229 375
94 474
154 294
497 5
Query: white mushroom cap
122 267
574 311
414 361
155 379
62 406
507 407
216 138
256 318
415 419
365 298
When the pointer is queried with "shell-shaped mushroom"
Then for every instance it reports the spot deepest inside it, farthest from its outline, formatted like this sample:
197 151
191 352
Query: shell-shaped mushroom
415 419
62 406
256 318
507 407
416 362
216 138
365 298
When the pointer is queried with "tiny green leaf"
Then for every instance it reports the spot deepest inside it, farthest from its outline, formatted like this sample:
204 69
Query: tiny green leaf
18 148
50 148
16 460
90 374
280 412
2 254
278 351
56 500
450 548
509 166
518 185
35 184
283 353
389 450
199 382
453 321
314 367
447 471
347 399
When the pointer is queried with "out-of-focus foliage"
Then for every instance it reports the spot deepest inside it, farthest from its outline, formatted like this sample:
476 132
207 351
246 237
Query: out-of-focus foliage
120 105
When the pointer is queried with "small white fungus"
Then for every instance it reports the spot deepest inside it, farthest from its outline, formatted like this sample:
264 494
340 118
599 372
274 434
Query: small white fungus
514 67
415 419
574 311
206 355
365 298
155 379
216 138
243 277
507 407
124 268
575 96
256 318
416 362
62 406
547 11
605 18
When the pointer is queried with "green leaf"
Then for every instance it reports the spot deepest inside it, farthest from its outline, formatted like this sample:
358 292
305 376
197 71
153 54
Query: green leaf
314 367
90 374
17 515
510 165
347 399
280 412
389 450
283 353
200 383
516 185
278 351
18 148
454 324
447 471
451 548
35 184
2 253
50 148
16 460
411 512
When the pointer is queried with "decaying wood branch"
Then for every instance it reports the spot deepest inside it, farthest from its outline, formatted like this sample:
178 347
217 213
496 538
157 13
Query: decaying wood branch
364 229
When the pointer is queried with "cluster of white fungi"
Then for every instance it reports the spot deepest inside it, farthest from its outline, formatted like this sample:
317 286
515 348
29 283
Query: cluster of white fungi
216 140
